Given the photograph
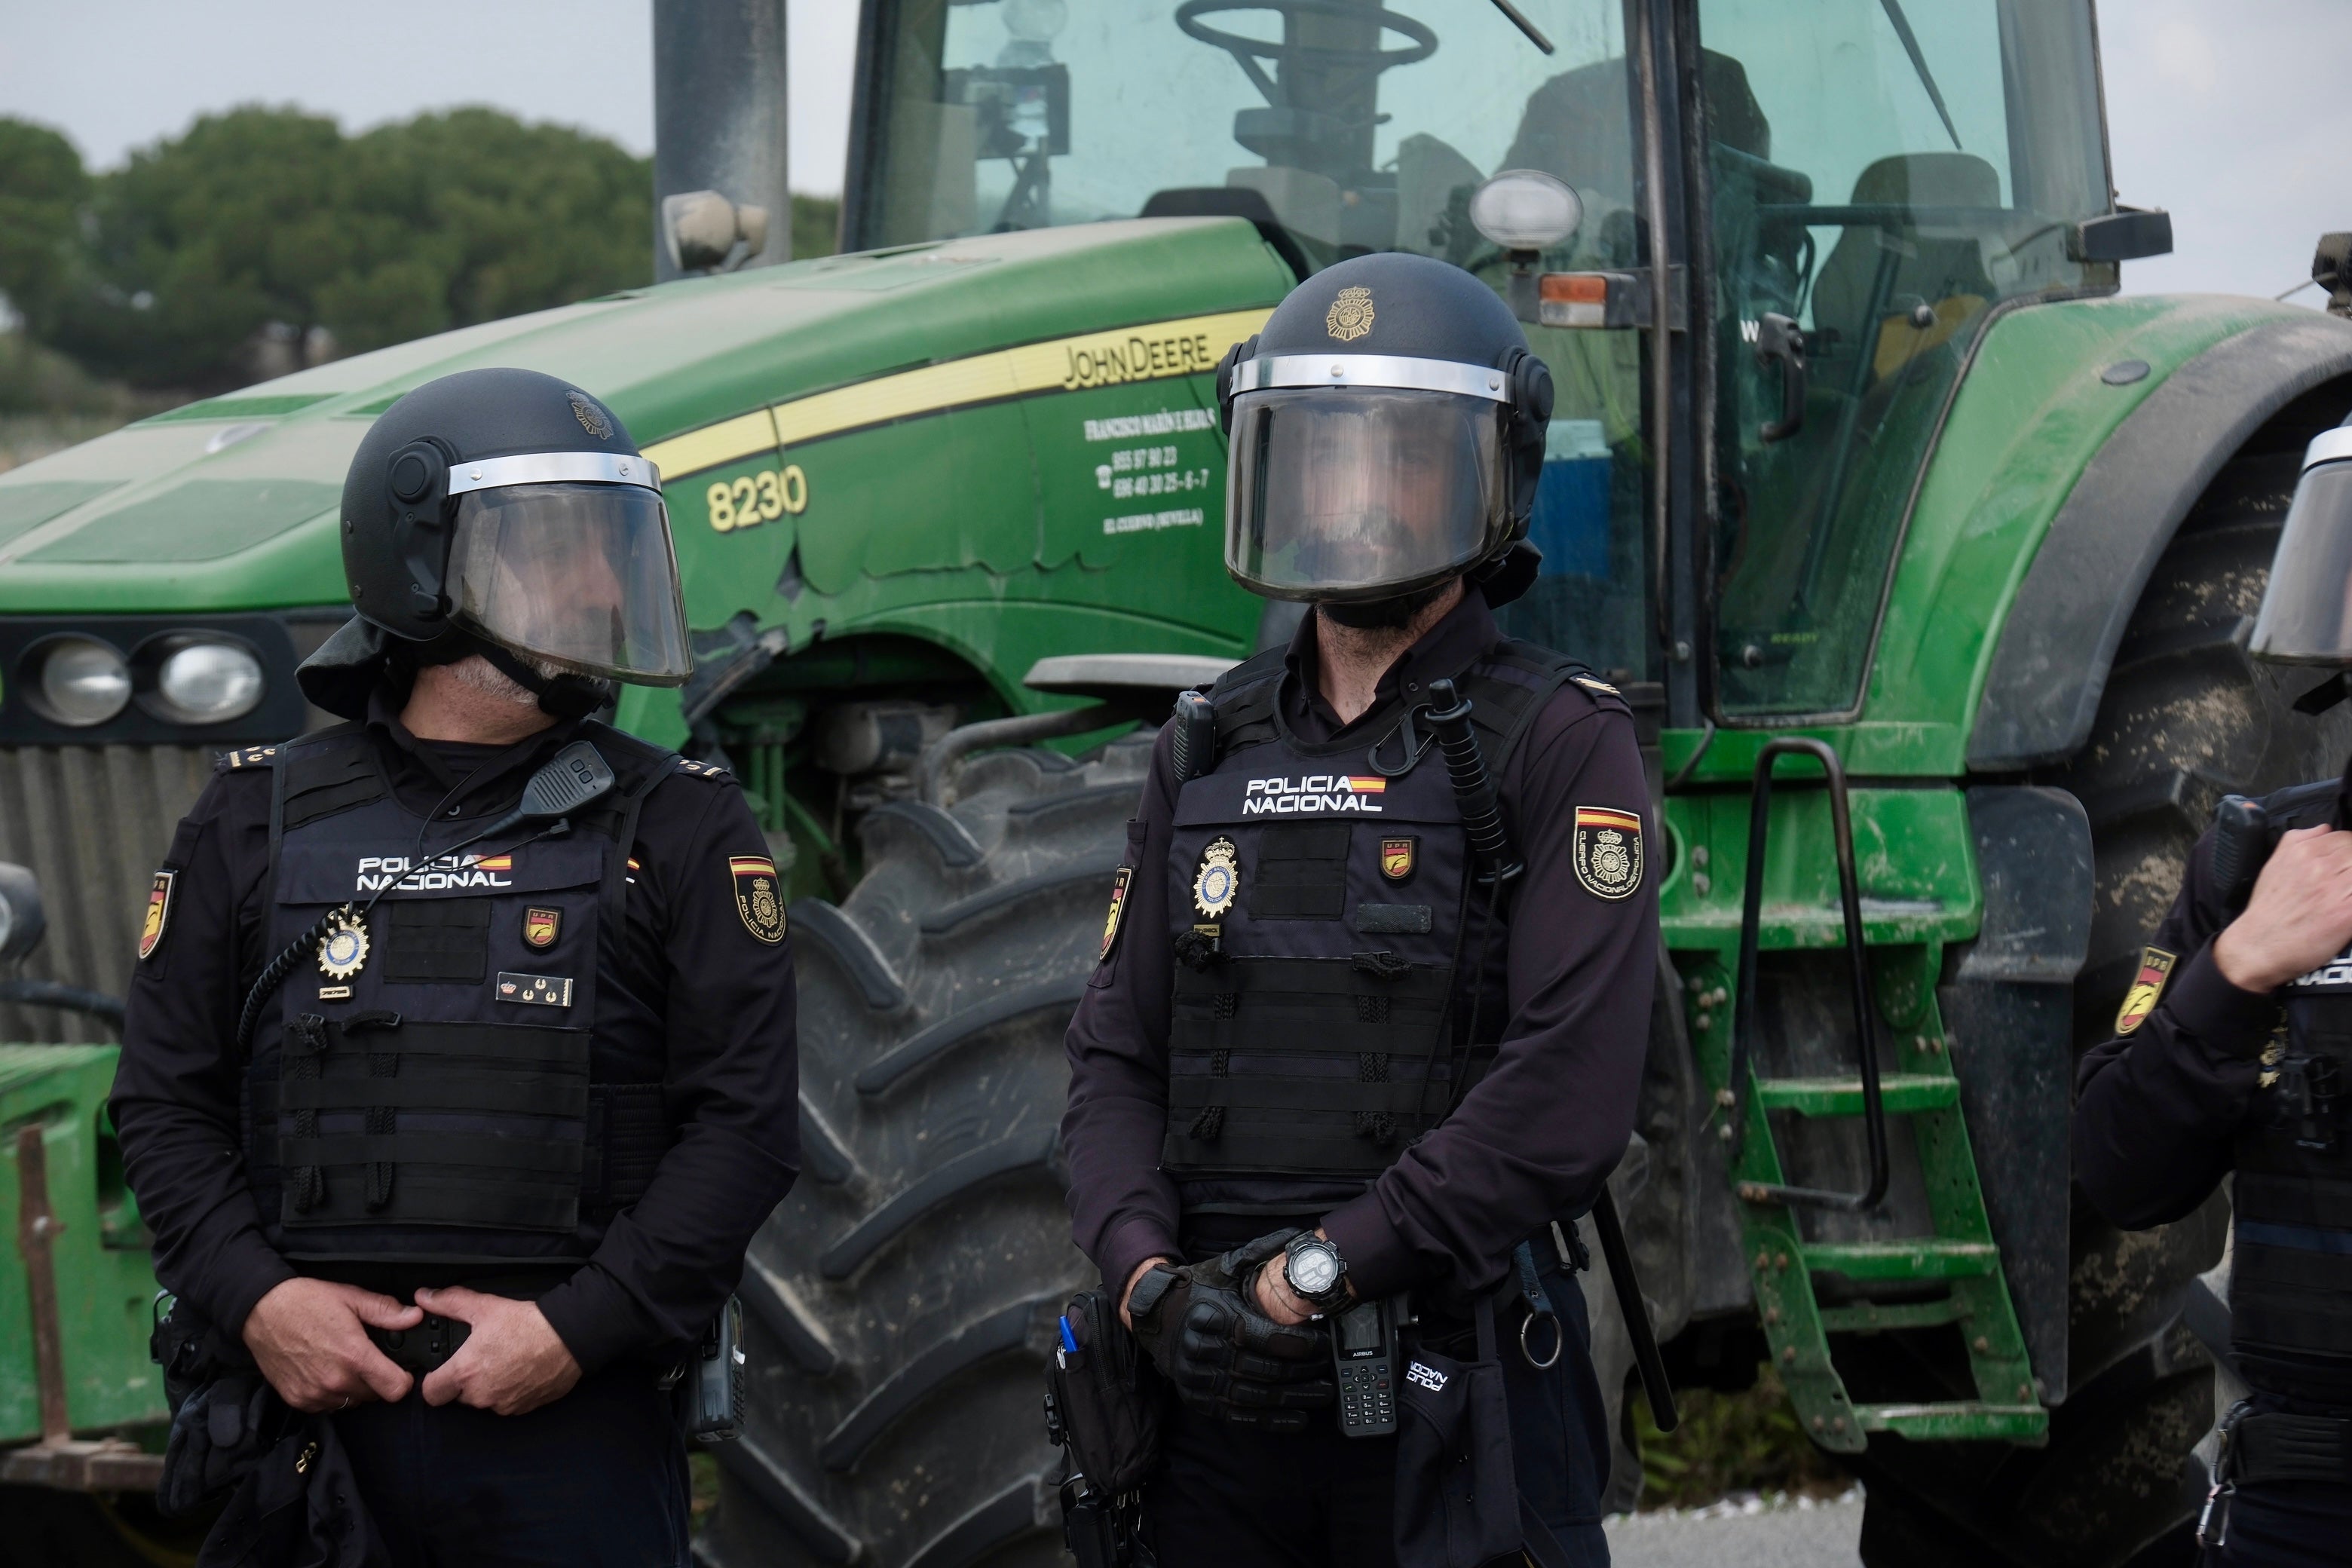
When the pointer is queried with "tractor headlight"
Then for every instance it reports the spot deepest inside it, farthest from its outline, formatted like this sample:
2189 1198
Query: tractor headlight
207 682
76 681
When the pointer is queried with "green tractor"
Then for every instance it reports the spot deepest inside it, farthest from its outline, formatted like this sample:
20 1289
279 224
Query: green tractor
1862 479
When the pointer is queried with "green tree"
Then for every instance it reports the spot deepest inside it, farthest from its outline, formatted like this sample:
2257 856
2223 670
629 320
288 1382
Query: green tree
270 217
42 191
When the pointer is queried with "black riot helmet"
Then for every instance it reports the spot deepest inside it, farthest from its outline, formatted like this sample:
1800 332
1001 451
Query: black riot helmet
1388 433
2306 613
506 513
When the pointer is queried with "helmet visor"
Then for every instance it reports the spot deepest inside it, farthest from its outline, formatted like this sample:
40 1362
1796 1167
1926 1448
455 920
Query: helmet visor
2306 613
580 574
1362 492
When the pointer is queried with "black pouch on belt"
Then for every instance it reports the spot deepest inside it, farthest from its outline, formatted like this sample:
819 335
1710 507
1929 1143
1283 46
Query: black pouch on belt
1103 1397
1458 1491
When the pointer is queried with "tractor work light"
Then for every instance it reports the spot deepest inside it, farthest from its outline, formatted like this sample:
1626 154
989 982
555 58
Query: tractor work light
1526 209
203 680
76 681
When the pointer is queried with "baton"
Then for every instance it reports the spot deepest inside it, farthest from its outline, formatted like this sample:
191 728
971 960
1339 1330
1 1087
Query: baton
1636 1311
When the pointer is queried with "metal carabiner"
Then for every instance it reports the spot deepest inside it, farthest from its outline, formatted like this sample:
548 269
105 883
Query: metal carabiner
1559 1340
1414 742
2225 1481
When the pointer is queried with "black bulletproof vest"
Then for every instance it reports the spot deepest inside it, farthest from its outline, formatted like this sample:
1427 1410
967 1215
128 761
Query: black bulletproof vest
436 1092
2291 1273
1326 928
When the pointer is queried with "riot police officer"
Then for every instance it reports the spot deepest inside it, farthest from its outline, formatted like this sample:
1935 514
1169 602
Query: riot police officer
1327 1056
454 1126
2229 1056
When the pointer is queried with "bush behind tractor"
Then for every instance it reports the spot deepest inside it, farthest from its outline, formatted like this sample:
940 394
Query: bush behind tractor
1926 557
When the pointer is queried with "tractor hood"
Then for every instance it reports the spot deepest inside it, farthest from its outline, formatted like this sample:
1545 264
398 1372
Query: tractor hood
230 503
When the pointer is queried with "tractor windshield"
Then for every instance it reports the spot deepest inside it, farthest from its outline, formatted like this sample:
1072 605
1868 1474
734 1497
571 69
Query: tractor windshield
1360 127
1886 174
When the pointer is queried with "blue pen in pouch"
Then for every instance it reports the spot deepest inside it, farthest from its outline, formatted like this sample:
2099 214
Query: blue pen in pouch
1069 1347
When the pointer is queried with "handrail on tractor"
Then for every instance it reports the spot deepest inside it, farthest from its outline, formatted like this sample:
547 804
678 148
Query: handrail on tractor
1865 1002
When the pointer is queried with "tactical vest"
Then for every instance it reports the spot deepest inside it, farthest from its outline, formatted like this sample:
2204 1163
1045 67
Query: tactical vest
434 1087
2291 1272
1332 944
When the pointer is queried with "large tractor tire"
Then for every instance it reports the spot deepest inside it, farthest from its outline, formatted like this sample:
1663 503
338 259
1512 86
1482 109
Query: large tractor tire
2187 717
901 1302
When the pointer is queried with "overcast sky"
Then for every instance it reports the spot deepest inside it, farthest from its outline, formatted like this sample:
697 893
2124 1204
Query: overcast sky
2233 113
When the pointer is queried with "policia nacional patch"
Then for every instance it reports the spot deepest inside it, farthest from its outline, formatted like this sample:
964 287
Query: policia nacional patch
2147 988
1608 851
755 897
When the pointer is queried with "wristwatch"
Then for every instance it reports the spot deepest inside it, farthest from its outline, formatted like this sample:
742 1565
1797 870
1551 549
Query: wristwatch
1316 1273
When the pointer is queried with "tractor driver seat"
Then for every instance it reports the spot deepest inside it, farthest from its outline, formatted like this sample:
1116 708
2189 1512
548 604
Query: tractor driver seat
1944 269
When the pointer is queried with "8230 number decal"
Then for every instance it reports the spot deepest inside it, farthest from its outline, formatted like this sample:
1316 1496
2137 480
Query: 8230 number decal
757 497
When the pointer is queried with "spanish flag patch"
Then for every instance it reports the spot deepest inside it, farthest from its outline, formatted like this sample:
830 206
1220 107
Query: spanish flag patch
1608 851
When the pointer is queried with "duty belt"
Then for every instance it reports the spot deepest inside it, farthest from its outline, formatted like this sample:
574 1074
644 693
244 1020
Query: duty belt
2278 1446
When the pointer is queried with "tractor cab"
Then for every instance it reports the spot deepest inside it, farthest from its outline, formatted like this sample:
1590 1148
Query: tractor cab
1831 203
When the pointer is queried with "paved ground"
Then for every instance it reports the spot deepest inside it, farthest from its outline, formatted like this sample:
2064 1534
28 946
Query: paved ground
1747 1533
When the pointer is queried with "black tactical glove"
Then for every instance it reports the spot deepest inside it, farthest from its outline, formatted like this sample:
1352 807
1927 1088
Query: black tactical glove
1225 1358
220 1433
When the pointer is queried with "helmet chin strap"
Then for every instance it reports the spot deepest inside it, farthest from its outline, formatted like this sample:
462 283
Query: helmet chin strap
560 696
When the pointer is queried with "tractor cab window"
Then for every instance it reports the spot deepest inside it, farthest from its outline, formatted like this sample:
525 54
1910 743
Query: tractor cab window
1358 127
1886 174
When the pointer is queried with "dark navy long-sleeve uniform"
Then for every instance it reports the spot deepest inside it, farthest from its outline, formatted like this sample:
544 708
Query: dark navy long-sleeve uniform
2158 1106
1534 1138
690 986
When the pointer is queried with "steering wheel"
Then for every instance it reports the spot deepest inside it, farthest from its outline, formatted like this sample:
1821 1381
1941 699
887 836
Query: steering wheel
1248 52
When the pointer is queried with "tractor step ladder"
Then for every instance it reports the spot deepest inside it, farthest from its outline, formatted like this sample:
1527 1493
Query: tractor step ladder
1960 1256
1953 1276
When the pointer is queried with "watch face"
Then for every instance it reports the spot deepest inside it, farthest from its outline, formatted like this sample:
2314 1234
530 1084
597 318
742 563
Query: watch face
1314 1269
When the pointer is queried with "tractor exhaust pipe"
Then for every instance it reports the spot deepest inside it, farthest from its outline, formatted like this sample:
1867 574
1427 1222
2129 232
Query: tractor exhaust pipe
722 197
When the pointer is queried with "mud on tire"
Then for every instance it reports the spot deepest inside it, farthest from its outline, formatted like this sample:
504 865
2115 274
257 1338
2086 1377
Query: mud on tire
901 1302
2187 717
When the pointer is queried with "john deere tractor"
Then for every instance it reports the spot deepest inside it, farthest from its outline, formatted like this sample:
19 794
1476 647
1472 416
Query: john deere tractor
1927 558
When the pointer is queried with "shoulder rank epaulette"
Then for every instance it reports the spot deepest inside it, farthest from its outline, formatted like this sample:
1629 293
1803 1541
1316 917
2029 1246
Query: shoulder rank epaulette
1594 683
701 770
250 757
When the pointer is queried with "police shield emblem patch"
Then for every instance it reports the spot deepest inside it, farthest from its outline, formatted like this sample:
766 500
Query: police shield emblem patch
540 927
756 897
1219 880
1397 857
1118 907
2147 987
1608 851
159 913
1350 316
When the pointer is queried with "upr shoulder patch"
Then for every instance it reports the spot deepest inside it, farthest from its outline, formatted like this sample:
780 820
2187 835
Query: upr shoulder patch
1594 683
1118 885
702 770
2147 988
1608 851
249 757
159 913
756 899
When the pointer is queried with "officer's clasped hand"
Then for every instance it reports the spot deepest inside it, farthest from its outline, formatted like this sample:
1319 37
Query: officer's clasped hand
2299 916
310 1337
511 1362
1226 1358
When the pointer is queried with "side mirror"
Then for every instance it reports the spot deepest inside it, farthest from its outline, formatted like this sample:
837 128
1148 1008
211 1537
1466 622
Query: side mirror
22 921
702 229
